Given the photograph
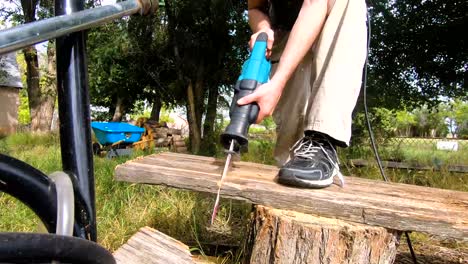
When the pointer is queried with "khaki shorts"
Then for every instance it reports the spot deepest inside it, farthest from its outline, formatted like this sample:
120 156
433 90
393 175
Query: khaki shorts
322 93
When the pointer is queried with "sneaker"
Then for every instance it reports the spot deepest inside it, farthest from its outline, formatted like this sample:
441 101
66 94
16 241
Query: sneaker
314 163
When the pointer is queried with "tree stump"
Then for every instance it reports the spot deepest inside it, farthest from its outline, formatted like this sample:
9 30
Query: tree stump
279 236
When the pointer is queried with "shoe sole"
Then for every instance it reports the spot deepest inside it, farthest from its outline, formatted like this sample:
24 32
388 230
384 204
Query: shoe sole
290 178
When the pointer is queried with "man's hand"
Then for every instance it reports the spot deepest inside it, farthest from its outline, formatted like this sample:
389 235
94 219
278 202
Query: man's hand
271 39
267 96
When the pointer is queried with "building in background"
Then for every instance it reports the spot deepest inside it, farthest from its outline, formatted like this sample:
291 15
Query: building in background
10 83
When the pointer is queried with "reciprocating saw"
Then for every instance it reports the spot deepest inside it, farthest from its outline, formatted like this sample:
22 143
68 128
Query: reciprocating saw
255 71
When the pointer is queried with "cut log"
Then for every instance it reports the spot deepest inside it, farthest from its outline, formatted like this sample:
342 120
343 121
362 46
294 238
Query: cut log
391 205
174 131
152 246
162 142
178 143
161 131
279 236
181 150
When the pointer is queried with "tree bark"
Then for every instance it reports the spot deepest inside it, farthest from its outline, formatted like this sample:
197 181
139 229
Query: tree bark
209 140
41 101
49 90
156 110
194 128
119 110
279 236
34 90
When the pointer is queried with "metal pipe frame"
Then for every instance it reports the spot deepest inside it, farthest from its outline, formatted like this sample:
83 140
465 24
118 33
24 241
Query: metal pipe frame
23 181
74 116
28 34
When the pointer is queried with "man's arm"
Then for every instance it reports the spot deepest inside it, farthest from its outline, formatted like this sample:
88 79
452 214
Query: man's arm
307 27
258 20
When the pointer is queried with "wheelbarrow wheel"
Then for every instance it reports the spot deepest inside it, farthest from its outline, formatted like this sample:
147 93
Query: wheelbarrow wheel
96 148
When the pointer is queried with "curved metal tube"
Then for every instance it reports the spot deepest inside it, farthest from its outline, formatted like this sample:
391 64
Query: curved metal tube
31 187
65 203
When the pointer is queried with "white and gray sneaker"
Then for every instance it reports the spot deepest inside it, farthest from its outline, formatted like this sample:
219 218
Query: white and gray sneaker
314 163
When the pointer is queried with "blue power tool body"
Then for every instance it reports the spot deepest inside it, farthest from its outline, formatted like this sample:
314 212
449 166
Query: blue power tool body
255 71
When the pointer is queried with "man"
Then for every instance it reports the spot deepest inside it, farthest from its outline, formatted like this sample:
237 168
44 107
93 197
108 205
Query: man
321 49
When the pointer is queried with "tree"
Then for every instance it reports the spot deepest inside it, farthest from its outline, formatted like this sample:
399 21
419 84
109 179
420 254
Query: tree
457 114
405 121
417 52
205 38
128 63
41 87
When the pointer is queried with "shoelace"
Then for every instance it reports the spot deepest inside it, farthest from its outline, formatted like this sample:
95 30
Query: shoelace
305 148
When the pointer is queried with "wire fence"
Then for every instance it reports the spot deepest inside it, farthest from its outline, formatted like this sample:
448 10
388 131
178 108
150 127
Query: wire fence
400 152
416 153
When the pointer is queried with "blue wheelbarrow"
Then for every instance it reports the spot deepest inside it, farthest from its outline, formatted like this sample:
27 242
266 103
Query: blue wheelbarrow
115 137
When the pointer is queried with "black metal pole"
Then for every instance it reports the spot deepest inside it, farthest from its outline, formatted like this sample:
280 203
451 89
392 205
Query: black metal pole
74 115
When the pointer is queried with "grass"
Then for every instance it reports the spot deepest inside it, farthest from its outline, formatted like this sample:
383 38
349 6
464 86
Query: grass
414 151
123 208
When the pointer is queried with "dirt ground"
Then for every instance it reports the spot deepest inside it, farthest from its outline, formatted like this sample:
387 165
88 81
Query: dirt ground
433 251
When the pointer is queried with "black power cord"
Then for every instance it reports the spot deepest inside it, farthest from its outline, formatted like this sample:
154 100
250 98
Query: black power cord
369 128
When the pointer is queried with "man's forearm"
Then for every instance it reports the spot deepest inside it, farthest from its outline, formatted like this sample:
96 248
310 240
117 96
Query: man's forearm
258 20
303 34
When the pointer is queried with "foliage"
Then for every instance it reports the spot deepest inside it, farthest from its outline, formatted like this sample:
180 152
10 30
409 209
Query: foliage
424 121
24 117
404 121
457 115
414 57
164 115
268 123
382 121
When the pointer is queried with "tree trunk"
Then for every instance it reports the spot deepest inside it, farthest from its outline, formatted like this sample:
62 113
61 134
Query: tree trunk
194 128
119 110
49 90
34 90
196 96
279 236
209 140
41 102
156 110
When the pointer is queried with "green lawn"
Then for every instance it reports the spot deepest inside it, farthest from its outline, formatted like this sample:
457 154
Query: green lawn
123 208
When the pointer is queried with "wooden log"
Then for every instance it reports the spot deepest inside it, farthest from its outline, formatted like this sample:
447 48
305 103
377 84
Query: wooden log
152 246
144 144
161 131
174 131
391 205
181 150
279 236
178 143
162 142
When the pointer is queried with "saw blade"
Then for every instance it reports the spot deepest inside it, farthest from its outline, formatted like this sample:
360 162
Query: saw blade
220 183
